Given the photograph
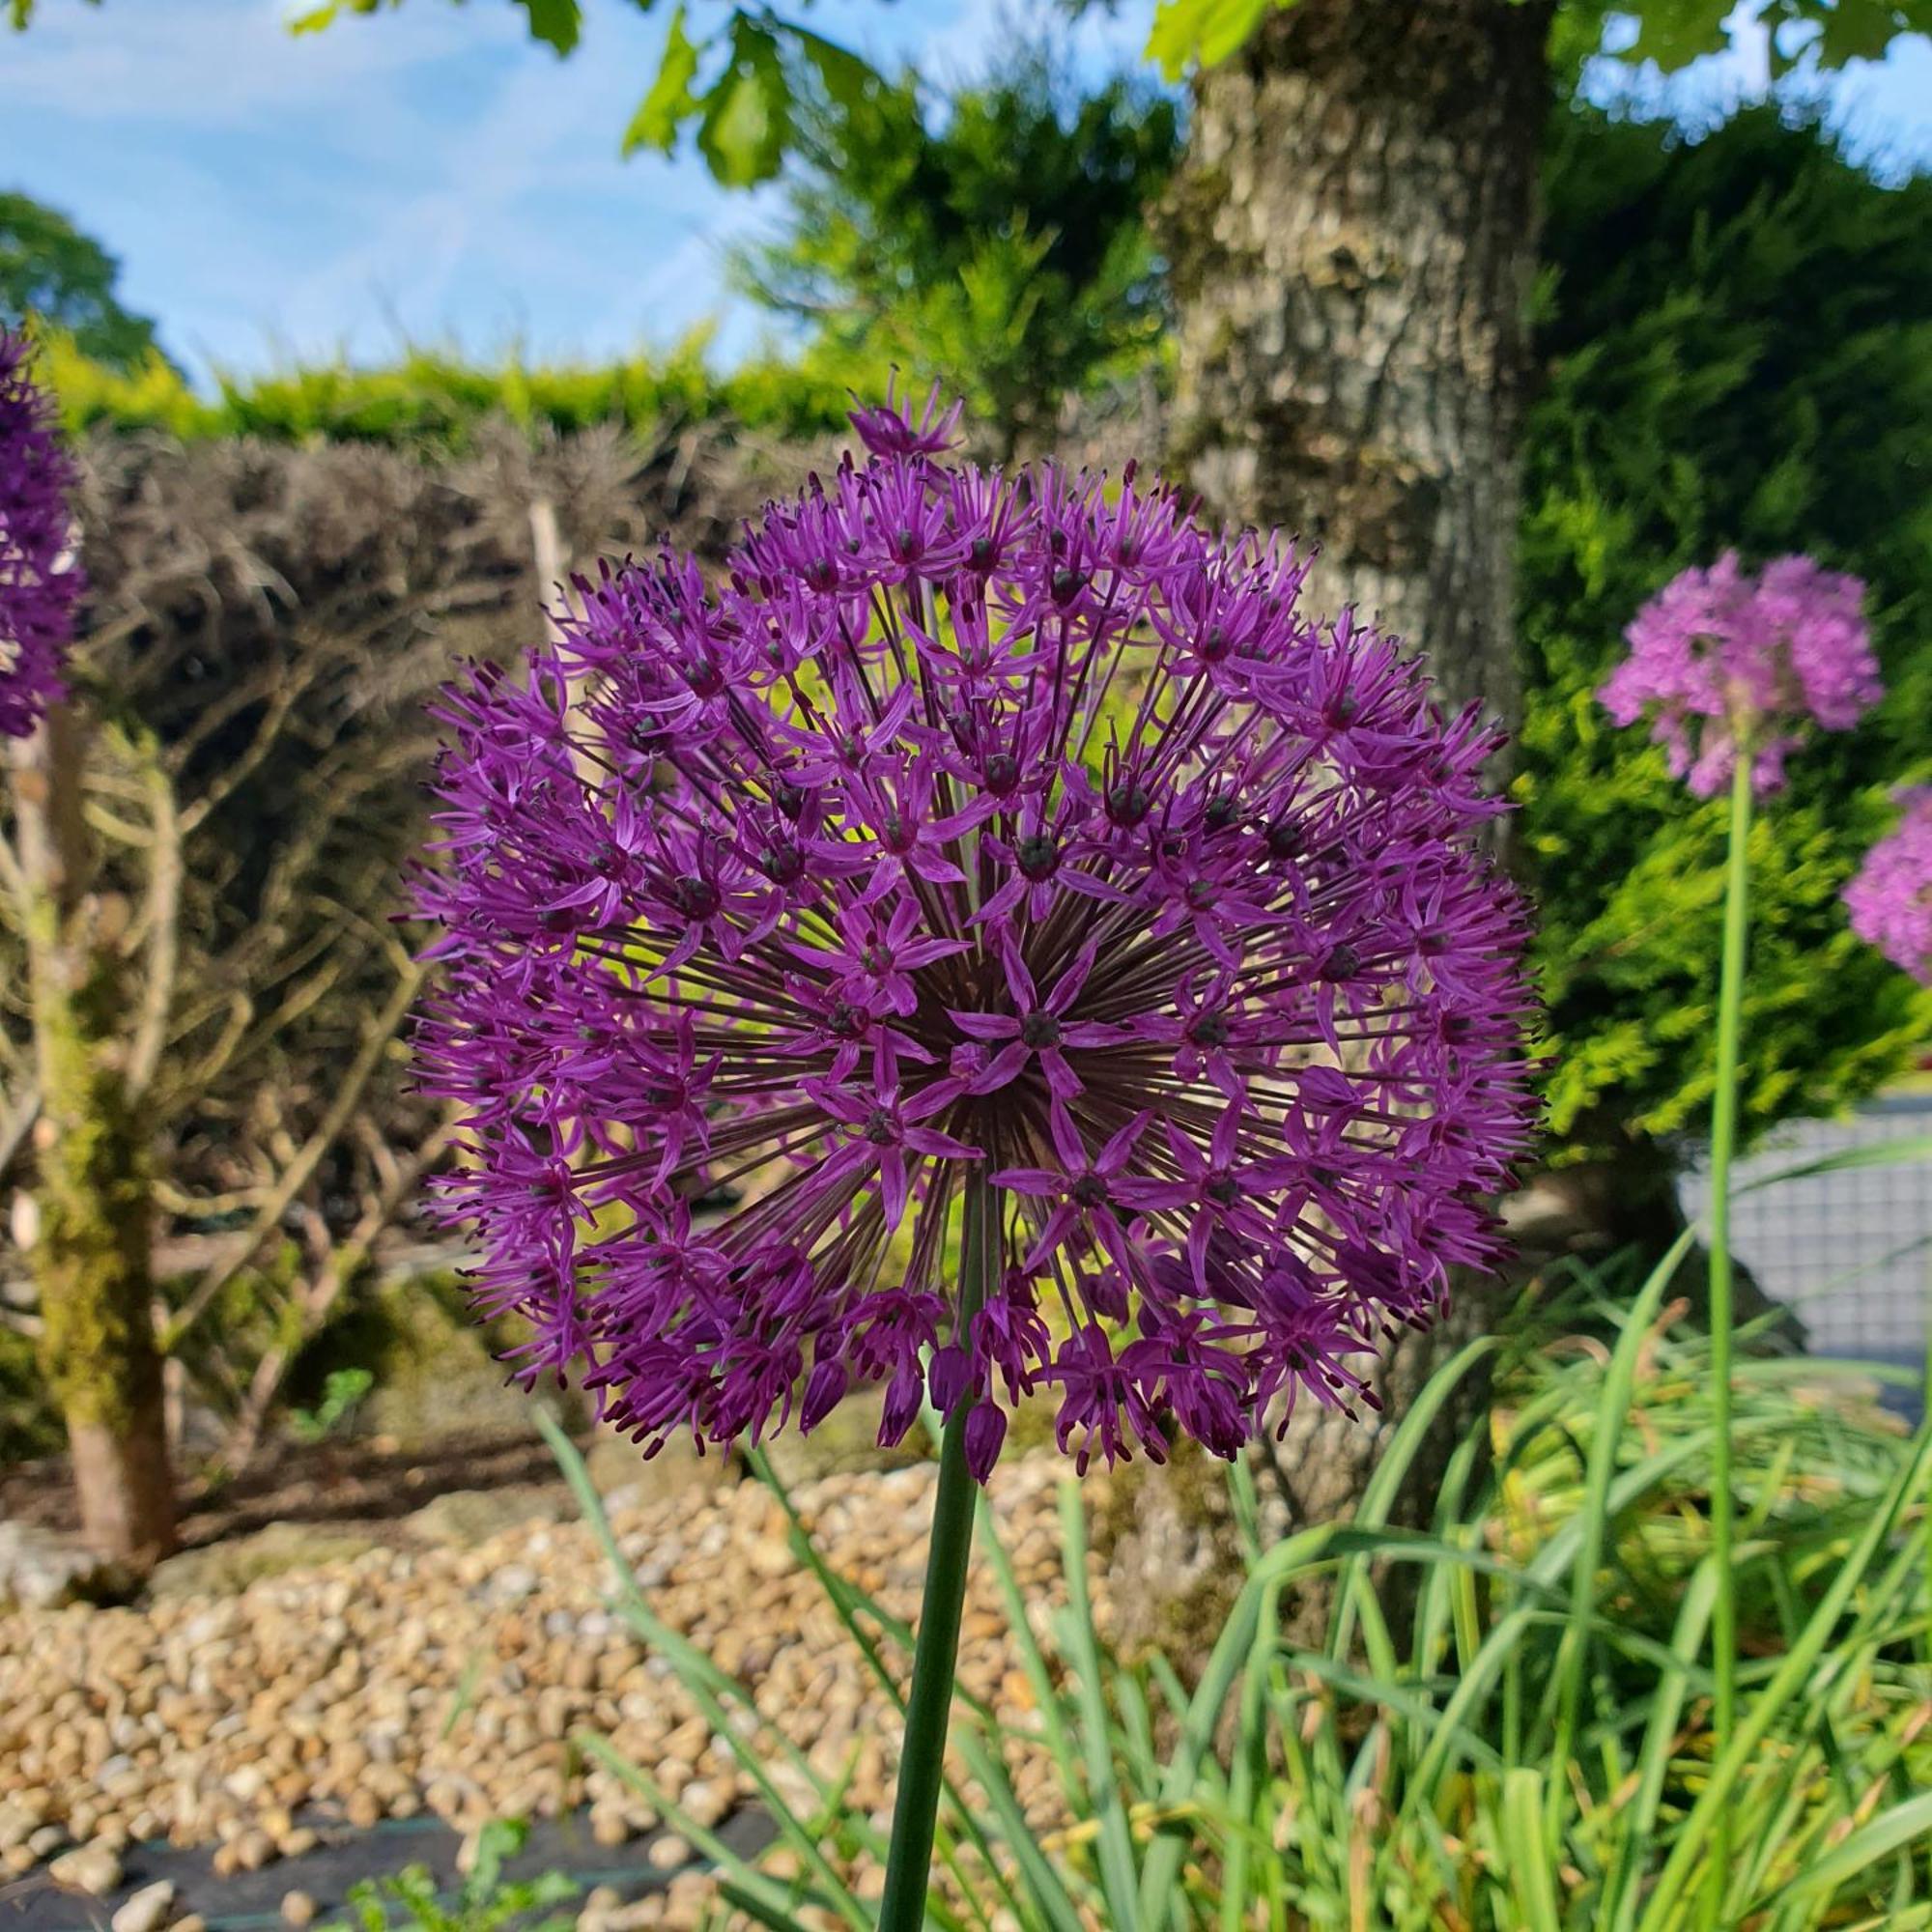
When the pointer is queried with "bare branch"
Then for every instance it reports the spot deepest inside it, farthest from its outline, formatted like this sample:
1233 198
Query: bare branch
296 1175
163 920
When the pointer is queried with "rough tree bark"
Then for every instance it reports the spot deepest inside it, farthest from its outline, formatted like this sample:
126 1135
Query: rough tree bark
91 1248
1352 237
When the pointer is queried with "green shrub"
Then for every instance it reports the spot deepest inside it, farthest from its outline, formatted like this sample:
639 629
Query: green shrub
1739 347
996 240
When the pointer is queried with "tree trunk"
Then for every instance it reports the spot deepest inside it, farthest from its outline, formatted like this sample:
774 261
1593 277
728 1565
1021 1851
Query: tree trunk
1352 241
1353 238
91 1249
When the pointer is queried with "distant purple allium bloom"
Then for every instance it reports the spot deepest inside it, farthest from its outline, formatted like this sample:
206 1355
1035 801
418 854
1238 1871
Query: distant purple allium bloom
1891 899
40 583
1720 656
980 845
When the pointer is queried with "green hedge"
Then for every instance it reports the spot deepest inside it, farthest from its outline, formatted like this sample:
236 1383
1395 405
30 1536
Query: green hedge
432 401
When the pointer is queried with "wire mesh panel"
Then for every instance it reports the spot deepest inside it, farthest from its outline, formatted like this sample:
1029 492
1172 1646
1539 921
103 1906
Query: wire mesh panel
1852 1250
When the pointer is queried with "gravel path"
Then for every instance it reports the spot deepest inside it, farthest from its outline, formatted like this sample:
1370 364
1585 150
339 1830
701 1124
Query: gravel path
445 1683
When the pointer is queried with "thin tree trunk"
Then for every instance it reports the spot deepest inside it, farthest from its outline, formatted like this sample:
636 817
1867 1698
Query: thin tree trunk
91 1250
1352 237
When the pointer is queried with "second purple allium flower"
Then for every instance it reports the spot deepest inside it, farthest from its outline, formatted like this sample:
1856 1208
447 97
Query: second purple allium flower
40 583
1724 657
1890 899
1003 851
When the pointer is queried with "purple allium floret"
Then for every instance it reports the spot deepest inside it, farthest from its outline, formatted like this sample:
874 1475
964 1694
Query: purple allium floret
1004 847
40 581
1890 897
1722 656
891 429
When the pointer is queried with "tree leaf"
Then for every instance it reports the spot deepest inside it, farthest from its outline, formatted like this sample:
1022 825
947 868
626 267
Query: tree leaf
555 22
1673 32
1857 29
1204 31
670 103
746 117
846 78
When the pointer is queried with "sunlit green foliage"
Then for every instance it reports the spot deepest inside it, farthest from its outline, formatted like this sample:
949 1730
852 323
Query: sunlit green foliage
1671 33
1738 343
730 75
998 238
433 401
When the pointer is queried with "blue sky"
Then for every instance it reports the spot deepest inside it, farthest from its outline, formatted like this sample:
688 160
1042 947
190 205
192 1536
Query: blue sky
434 175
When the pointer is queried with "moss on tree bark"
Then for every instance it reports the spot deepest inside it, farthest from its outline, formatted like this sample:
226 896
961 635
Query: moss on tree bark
92 1247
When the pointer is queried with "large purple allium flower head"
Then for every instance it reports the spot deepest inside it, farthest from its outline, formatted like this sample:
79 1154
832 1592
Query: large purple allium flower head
40 583
1722 659
989 940
1890 897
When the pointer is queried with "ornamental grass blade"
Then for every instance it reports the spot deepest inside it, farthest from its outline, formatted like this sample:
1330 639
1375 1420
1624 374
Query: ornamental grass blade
1876 1153
847 1600
1793 1672
1075 1629
1640 1819
1032 1658
707 1685
1248 1768
1903 1826
1050 1895
1354 1590
1595 1519
1530 1880
737 1870
1305 1549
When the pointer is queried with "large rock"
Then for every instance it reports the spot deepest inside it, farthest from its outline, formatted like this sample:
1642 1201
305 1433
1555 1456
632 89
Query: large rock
845 1443
227 1568
41 1569
629 1480
465 1517
437 1372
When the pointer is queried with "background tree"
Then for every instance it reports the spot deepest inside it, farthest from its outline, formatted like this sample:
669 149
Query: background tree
52 273
1354 236
996 240
1354 242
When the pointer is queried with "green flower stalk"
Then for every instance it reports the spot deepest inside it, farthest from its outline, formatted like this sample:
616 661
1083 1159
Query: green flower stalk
1732 669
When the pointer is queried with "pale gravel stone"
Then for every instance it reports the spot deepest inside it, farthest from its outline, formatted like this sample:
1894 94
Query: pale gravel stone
397 1684
148 1909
